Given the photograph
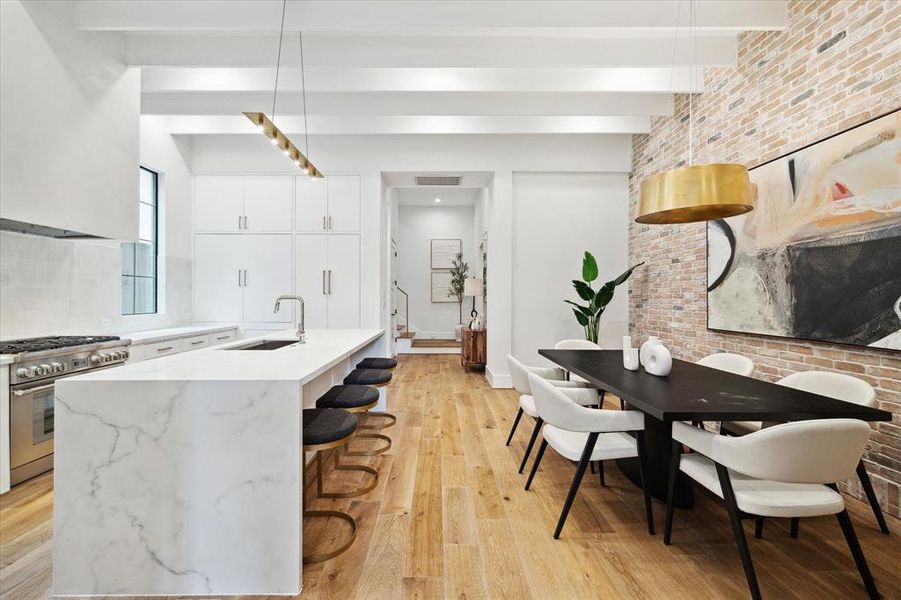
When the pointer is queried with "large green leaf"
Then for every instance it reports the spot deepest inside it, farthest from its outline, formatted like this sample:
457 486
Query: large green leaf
585 310
584 290
589 267
582 319
625 275
604 296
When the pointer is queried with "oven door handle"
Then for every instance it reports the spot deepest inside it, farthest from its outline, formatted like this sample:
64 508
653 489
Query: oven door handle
39 388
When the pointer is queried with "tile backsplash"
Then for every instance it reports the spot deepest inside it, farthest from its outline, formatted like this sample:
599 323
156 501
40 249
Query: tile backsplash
50 286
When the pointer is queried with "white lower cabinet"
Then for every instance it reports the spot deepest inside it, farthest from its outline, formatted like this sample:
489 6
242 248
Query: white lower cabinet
139 351
238 277
327 276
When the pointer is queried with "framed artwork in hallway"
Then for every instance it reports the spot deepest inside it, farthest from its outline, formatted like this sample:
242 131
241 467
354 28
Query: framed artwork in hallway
818 257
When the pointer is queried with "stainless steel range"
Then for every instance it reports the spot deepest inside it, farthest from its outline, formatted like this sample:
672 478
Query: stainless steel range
38 363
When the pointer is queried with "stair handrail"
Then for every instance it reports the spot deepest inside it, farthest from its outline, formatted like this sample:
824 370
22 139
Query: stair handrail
406 308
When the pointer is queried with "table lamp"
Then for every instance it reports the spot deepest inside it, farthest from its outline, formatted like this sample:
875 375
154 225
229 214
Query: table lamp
473 287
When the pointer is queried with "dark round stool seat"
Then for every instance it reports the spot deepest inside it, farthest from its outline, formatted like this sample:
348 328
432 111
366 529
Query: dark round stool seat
326 425
367 377
348 397
374 362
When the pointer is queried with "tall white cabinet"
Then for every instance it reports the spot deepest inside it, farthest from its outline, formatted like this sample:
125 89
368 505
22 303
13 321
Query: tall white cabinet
328 279
259 236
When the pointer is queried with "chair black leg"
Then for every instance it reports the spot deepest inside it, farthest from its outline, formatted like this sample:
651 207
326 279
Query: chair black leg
601 473
758 527
871 496
515 423
848 529
577 480
525 457
592 469
671 491
742 543
534 470
795 523
643 471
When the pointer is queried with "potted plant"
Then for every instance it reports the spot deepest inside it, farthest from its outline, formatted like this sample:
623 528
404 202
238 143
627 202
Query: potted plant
458 272
589 317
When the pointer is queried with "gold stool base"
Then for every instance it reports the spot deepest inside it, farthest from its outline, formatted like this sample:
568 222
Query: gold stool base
309 559
385 415
369 436
340 467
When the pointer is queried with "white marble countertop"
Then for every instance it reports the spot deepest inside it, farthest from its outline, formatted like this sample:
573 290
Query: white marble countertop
5 359
299 362
171 333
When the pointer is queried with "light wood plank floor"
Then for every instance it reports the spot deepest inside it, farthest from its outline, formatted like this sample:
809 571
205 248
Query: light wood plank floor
450 519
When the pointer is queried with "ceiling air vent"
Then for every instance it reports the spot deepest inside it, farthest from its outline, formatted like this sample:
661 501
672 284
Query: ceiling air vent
438 180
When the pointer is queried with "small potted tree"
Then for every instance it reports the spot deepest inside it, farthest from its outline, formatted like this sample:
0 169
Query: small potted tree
458 272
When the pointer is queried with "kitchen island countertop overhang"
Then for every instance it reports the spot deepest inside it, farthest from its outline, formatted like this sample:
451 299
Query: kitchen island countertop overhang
181 475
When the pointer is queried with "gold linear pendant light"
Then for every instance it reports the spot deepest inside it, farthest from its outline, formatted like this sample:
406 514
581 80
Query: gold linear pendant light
269 129
695 192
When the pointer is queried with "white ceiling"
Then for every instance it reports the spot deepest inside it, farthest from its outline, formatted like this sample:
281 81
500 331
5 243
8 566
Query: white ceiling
426 196
425 67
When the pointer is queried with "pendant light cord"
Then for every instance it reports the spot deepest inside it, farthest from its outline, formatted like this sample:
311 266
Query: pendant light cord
303 89
672 78
278 59
691 78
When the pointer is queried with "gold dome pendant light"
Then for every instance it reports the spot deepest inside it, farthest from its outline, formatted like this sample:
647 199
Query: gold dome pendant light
695 192
269 129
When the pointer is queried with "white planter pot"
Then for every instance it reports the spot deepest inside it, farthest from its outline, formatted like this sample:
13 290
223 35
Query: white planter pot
458 332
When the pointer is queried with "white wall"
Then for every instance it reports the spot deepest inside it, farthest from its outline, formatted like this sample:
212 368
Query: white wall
372 155
69 110
50 286
418 225
556 218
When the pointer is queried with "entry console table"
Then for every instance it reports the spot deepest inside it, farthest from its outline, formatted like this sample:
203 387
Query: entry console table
692 392
473 350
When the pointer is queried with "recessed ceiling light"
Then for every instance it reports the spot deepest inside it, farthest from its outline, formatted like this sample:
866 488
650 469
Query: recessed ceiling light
437 199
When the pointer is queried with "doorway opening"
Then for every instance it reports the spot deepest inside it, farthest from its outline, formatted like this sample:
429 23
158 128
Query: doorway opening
438 237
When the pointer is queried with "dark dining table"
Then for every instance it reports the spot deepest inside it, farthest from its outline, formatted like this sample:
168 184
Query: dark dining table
692 392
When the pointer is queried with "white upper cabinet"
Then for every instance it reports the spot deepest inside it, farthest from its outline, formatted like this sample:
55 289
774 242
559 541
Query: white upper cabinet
312 204
344 203
268 202
327 205
218 202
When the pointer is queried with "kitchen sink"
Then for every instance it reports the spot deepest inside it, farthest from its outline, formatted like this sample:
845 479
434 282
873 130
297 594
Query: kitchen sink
264 345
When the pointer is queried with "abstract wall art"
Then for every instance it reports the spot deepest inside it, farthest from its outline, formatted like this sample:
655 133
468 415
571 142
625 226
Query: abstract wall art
819 258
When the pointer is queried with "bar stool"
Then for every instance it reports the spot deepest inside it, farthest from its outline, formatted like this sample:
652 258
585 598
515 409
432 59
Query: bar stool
356 399
373 362
375 378
324 429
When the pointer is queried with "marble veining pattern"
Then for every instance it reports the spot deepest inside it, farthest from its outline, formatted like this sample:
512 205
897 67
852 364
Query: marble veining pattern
177 487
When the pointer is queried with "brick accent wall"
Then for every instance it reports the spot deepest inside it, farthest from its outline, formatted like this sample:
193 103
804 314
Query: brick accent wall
837 64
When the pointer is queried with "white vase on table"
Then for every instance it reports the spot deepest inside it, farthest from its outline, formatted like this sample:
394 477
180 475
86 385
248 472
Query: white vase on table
643 353
659 361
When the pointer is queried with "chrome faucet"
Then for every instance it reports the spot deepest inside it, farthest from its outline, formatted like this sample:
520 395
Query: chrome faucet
301 334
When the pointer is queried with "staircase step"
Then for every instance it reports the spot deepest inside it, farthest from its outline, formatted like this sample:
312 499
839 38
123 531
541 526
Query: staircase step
407 335
420 343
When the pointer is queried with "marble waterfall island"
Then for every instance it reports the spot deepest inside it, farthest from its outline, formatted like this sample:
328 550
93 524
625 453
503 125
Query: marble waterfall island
182 475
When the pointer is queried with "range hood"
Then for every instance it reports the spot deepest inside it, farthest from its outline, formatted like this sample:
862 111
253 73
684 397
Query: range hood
44 231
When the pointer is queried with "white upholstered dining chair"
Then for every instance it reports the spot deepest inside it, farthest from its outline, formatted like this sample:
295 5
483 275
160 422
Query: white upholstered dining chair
788 470
519 373
841 387
727 361
586 435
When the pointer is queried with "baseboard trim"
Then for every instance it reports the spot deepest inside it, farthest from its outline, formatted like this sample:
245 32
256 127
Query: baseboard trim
498 380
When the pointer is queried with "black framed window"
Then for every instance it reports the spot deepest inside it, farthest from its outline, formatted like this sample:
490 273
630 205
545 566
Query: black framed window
139 259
